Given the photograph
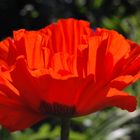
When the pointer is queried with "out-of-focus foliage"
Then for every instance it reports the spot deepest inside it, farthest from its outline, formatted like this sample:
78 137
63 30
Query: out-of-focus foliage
121 15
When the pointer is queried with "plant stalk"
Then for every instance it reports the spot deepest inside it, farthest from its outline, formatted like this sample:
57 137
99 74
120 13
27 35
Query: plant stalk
65 128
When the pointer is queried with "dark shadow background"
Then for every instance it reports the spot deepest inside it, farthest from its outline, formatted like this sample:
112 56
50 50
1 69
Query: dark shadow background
35 14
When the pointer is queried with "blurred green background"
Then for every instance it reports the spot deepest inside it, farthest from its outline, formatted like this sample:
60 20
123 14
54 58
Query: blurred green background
121 15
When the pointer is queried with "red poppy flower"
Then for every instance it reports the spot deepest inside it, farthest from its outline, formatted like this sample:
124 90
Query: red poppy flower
67 70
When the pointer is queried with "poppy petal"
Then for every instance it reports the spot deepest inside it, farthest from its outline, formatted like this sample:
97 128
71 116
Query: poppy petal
122 82
130 64
66 35
111 48
7 89
61 89
120 99
30 48
108 97
21 116
25 83
7 52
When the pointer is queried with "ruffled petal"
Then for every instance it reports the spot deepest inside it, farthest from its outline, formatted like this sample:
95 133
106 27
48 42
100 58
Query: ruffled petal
21 116
107 97
120 99
67 44
14 105
129 65
31 45
122 82
132 63
110 48
8 90
66 35
26 84
65 92
7 52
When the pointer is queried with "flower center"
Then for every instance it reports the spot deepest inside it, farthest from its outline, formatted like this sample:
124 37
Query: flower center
56 109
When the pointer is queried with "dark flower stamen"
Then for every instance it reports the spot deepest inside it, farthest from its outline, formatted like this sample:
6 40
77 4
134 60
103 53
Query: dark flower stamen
56 109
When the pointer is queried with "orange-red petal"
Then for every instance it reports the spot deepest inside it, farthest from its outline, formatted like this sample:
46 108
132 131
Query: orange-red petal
108 97
15 115
26 84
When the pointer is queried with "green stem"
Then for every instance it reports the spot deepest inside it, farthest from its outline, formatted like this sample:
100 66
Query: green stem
65 128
